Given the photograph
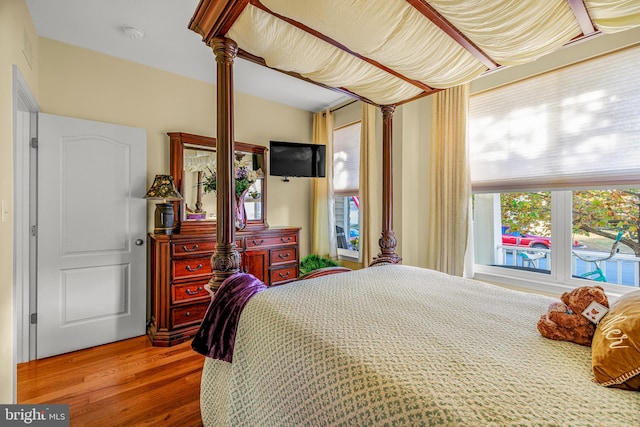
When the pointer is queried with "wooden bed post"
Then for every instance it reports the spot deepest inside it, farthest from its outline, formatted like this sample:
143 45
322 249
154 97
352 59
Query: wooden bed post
226 259
387 240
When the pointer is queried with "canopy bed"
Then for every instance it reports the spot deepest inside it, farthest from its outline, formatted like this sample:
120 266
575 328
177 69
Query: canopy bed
390 344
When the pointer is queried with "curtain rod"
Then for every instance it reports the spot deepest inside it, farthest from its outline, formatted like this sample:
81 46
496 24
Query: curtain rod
343 105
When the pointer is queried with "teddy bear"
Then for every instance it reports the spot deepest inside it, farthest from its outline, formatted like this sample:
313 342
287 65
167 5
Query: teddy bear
564 320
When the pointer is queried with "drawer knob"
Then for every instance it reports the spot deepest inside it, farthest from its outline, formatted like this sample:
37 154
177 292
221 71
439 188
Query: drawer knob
287 240
258 242
192 269
284 275
186 249
187 314
196 292
284 256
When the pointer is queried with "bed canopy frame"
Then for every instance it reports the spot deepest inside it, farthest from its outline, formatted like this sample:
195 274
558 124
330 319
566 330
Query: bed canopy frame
382 52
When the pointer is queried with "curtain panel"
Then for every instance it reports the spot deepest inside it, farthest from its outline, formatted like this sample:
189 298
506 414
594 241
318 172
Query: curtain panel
449 182
370 191
323 222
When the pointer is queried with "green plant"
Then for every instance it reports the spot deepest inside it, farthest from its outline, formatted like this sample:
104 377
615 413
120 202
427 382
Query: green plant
314 262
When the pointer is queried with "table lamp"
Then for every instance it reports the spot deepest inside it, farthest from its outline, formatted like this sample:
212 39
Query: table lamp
163 188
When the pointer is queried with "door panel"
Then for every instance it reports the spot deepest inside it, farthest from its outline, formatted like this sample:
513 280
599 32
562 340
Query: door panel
95 176
91 274
95 293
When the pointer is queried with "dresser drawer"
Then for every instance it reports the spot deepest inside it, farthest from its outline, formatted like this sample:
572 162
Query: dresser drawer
194 290
180 265
191 267
191 314
283 256
193 247
282 275
260 242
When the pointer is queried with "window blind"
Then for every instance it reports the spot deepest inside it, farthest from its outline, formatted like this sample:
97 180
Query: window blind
346 160
578 126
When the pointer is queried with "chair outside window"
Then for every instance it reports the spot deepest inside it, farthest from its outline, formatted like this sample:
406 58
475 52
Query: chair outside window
340 237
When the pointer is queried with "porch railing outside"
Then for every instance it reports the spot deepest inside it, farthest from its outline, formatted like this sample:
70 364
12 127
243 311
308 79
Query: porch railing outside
621 269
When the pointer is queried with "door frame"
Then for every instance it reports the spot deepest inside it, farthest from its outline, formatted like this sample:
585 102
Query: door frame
24 195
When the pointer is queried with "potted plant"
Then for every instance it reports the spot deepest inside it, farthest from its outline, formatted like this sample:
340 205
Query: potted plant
314 262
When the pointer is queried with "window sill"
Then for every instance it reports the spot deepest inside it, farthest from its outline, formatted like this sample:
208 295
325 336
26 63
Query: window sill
348 255
537 283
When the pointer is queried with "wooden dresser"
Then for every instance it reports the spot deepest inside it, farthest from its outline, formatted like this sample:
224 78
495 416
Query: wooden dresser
181 267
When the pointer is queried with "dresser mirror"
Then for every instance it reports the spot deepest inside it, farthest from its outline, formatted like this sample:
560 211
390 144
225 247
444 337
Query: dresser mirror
193 165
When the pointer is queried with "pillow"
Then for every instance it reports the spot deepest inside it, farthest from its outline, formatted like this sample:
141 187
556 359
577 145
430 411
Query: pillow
616 345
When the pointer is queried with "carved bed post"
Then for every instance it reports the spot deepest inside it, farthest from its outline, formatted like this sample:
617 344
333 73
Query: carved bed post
387 240
226 259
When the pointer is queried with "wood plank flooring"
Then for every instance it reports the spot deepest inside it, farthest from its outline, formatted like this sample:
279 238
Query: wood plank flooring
127 383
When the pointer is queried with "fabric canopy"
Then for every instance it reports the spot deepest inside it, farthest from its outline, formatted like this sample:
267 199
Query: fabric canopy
391 51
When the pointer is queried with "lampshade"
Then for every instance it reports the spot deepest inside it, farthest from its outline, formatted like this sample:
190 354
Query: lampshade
163 188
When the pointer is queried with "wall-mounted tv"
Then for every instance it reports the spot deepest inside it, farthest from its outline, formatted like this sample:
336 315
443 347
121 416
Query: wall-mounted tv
292 159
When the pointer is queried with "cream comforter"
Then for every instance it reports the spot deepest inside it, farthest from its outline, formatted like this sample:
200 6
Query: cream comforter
403 346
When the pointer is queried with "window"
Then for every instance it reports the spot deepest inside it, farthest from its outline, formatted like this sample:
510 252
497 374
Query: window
513 230
346 184
555 166
605 224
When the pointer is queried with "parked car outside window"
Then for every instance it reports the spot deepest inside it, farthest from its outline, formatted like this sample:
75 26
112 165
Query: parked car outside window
515 238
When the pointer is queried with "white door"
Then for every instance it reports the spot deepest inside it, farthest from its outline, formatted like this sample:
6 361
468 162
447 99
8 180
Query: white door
91 276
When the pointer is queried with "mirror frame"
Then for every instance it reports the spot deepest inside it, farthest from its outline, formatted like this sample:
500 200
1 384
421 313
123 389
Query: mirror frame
176 161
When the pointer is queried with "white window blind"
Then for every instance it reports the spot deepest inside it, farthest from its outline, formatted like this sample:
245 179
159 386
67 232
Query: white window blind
346 160
573 127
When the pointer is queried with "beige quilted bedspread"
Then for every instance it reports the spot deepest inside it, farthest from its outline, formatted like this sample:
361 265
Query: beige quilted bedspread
403 346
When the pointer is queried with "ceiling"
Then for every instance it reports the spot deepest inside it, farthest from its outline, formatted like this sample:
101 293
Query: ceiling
167 45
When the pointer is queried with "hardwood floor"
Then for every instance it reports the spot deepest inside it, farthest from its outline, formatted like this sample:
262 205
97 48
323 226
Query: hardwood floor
127 383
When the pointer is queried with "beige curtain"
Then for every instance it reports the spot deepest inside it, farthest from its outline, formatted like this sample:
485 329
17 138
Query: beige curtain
323 222
449 182
370 191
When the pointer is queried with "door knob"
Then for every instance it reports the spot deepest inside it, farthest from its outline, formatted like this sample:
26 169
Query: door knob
139 242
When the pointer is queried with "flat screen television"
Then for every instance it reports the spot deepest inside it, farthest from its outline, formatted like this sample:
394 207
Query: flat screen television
292 159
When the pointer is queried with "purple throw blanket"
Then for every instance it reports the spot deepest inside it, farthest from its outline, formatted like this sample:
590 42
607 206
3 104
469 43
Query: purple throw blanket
217 333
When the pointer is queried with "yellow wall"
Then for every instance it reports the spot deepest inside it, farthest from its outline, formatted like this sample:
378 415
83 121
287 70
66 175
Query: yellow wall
258 121
18 41
84 84
416 137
